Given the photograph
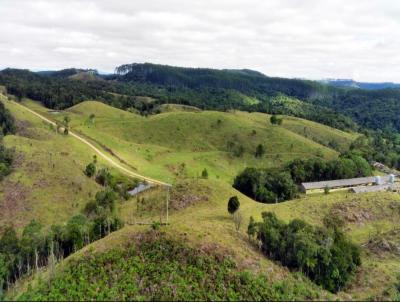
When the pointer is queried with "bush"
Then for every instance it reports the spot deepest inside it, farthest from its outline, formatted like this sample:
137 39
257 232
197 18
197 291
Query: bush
90 170
204 173
104 177
260 151
233 204
275 120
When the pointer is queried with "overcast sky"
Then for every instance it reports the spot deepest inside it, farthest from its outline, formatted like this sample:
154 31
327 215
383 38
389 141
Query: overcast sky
312 39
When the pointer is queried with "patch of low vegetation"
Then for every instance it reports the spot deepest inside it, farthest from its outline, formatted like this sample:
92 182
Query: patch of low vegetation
187 193
156 267
118 183
325 255
384 244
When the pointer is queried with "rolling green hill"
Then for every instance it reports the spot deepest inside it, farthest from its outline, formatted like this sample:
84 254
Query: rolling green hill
206 225
180 142
175 147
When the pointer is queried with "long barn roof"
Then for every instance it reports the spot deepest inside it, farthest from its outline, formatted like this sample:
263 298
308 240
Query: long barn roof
342 182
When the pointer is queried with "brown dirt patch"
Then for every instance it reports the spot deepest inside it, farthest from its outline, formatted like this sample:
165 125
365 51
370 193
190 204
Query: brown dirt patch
185 194
33 167
387 243
14 202
18 159
353 213
23 128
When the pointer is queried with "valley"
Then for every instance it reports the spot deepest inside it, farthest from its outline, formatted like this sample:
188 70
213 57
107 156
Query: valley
175 147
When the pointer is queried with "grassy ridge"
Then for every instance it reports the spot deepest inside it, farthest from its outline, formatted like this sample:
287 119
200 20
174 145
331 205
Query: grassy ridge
156 267
173 143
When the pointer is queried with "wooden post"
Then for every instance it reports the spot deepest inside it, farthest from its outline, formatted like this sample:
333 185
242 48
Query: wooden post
167 203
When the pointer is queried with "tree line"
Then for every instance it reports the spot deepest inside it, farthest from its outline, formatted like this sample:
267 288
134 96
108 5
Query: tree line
7 126
40 246
206 89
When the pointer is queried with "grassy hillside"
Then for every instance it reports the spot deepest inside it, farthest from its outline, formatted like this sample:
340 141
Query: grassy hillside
48 183
168 269
177 143
157 146
206 224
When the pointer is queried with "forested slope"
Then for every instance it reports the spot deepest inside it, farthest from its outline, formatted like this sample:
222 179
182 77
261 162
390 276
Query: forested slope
209 89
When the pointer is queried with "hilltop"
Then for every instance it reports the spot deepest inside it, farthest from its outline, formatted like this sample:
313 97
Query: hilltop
180 142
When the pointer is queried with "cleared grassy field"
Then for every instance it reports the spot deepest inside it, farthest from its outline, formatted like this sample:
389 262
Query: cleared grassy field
169 145
48 183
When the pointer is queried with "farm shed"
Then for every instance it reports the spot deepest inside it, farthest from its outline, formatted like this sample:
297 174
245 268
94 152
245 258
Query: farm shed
140 188
343 184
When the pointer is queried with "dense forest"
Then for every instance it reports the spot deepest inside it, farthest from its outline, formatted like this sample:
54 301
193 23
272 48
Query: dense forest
324 254
209 89
371 108
142 88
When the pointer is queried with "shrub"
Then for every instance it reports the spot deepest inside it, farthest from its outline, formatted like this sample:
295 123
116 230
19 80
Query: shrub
204 173
90 170
275 120
104 177
233 204
260 151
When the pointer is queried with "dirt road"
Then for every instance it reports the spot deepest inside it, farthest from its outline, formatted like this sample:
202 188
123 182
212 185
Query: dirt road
109 159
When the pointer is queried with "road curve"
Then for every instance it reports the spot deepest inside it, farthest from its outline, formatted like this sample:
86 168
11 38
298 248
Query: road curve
97 150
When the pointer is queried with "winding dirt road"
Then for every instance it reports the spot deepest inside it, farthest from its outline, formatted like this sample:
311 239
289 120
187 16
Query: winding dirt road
109 159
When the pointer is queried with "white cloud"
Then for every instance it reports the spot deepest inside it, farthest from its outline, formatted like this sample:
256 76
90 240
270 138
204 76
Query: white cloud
290 38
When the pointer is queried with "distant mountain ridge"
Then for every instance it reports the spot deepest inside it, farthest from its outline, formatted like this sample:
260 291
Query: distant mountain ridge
349 83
